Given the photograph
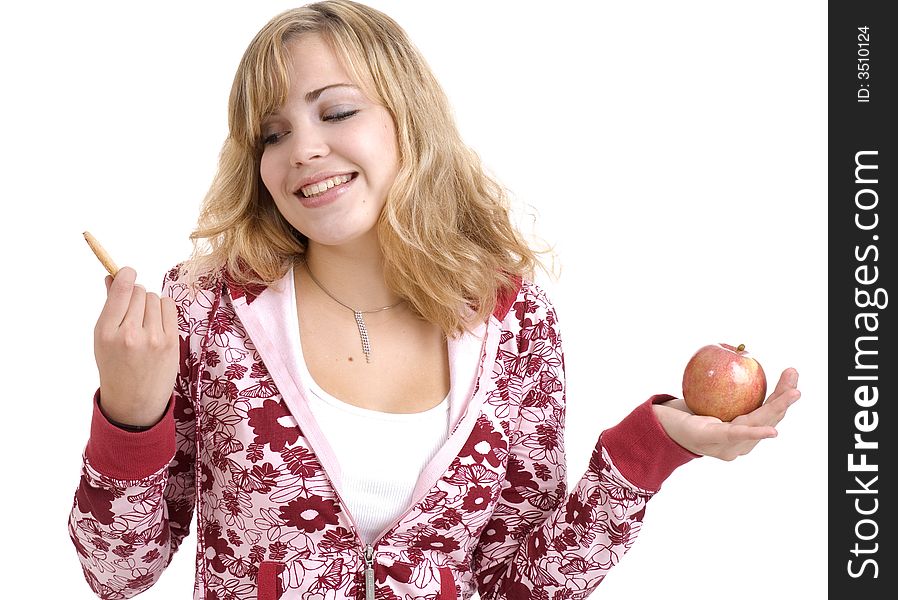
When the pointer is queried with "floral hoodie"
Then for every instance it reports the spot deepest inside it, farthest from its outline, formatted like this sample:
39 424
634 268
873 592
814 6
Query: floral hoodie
239 447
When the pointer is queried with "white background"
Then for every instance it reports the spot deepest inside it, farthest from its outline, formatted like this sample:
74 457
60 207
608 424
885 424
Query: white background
675 153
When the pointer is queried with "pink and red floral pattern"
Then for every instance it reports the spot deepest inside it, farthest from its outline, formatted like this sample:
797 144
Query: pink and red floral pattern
499 520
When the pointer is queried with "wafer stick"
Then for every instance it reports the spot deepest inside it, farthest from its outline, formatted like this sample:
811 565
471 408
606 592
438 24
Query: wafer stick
101 253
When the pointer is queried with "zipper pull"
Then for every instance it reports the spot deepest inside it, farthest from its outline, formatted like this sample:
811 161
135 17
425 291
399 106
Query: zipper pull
369 572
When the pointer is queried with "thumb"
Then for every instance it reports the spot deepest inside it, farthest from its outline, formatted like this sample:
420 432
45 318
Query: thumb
108 282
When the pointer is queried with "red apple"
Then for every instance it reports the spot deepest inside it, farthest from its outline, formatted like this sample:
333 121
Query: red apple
723 381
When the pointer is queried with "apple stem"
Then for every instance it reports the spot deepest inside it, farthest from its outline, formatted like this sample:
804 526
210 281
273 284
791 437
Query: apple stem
740 348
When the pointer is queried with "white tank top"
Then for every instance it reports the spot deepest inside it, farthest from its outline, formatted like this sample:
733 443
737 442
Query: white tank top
381 455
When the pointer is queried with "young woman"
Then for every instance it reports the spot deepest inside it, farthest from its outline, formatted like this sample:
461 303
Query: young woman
355 387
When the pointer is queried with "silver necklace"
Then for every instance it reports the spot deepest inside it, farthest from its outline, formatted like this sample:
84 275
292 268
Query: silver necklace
359 321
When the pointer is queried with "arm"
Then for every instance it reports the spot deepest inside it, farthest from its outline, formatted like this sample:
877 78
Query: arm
542 539
135 499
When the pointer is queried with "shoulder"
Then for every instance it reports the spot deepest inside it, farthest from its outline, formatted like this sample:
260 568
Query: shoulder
529 304
185 284
529 337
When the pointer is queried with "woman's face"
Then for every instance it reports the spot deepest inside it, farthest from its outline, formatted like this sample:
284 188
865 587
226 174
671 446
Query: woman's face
330 153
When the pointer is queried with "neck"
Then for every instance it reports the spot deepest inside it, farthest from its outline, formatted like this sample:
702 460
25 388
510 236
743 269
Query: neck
352 272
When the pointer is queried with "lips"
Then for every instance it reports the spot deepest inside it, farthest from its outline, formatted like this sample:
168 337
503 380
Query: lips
322 191
319 184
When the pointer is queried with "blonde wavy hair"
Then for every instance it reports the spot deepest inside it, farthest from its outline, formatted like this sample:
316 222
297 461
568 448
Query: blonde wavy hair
445 230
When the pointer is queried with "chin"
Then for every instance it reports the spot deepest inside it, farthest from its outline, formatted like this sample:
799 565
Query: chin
340 237
335 225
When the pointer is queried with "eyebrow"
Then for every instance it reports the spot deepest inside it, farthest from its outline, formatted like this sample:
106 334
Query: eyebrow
314 94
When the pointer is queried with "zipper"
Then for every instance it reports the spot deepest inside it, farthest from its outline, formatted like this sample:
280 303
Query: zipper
368 549
417 500
369 572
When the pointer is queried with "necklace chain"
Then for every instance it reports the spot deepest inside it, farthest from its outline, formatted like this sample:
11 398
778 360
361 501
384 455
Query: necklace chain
359 320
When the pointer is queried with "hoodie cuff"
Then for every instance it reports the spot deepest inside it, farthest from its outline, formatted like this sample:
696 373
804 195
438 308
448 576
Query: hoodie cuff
640 448
127 455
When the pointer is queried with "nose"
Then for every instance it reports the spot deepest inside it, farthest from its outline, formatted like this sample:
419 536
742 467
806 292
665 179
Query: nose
309 143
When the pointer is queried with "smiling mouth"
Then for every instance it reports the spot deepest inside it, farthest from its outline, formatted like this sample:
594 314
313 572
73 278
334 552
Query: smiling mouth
316 189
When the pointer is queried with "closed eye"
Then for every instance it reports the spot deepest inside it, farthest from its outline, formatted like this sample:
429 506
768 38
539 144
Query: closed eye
273 138
341 116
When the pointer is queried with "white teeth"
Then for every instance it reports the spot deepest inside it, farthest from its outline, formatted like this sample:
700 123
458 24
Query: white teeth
322 186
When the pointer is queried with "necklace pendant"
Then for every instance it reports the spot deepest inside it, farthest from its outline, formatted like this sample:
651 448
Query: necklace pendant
363 333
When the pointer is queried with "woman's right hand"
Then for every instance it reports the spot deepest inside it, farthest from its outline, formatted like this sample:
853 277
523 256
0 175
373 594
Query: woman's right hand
137 351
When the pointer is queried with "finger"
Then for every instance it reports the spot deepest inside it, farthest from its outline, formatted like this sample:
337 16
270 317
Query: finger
118 297
108 282
152 314
787 381
169 316
782 404
771 412
134 316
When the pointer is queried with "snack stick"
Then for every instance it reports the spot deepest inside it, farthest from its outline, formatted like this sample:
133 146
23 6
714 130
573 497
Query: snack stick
101 253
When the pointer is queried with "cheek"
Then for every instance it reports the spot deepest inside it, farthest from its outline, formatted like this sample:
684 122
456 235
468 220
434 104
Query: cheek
386 149
372 143
268 173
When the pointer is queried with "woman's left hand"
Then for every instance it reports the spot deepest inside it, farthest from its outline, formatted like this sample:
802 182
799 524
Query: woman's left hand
712 437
